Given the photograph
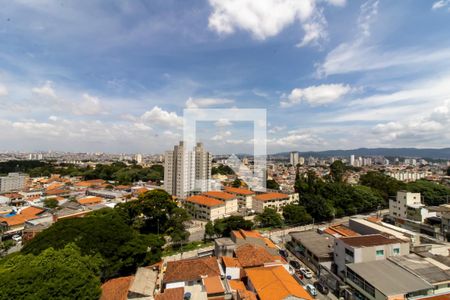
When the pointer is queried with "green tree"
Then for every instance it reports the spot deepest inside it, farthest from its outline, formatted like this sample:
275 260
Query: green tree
223 227
272 184
103 232
236 183
51 203
432 193
209 230
337 171
269 218
386 185
53 274
294 214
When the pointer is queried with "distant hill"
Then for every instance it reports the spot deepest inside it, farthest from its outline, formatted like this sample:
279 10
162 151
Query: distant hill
443 153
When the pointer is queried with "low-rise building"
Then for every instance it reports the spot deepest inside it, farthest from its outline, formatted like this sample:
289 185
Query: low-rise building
13 182
205 208
275 283
244 196
273 200
366 248
231 201
383 280
312 248
399 206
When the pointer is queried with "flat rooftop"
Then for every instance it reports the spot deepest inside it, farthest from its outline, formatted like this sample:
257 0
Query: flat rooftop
320 245
389 278
370 240
426 268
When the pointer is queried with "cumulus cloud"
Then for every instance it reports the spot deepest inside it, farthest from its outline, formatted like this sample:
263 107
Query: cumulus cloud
316 95
296 138
161 117
45 90
89 105
264 19
222 123
440 4
3 90
206 102
221 136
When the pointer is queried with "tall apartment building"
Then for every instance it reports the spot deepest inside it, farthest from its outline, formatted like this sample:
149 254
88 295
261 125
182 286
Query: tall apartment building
13 182
186 171
399 206
293 158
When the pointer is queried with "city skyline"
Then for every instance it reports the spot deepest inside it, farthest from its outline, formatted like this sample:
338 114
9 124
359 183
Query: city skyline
332 74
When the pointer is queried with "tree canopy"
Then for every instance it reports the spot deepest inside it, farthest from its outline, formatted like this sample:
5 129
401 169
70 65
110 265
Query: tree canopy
272 184
52 274
222 169
269 218
294 214
223 227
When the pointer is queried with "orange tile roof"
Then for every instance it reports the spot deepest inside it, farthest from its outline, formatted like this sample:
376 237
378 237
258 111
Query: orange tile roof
373 219
237 234
238 191
250 255
117 288
275 283
88 183
236 285
56 192
171 294
220 195
213 285
269 243
191 269
14 220
31 211
230 262
90 200
247 295
54 185
203 200
271 196
250 233
12 195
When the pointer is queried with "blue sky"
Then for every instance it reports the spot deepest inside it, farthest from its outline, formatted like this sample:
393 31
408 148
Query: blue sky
115 76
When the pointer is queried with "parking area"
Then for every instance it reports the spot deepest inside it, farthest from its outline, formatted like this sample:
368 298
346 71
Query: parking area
305 281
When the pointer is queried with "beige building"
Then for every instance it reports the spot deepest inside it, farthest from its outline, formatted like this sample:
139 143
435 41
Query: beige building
366 248
13 182
273 200
244 196
205 208
231 201
399 206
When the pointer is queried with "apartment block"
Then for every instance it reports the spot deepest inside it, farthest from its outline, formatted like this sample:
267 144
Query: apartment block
273 200
13 182
244 196
204 208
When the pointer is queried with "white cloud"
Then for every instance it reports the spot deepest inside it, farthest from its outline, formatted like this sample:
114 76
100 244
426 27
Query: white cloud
297 138
3 90
221 136
316 95
45 90
161 117
206 102
267 18
337 2
89 105
440 4
222 123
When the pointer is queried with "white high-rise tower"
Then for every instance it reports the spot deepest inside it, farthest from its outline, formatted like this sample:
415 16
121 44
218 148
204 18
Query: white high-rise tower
187 171
293 158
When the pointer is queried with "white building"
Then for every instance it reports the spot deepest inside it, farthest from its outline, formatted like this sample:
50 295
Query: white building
205 208
352 160
138 158
187 171
293 158
398 207
365 248
13 182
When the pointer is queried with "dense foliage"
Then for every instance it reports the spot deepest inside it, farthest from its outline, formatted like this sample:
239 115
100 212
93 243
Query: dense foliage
222 169
332 197
117 171
269 218
124 237
272 184
223 227
294 214
386 185
52 274
51 203
448 171
432 193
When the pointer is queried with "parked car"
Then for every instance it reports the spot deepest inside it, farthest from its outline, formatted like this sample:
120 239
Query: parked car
295 264
17 238
322 288
311 290
307 273
284 253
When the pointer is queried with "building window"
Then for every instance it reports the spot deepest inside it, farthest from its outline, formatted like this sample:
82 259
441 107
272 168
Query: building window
396 251
380 252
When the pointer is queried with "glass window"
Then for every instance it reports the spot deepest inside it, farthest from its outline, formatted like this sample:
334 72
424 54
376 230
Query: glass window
380 252
396 250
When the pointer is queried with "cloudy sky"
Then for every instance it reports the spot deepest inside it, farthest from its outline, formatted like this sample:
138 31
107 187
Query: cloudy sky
115 76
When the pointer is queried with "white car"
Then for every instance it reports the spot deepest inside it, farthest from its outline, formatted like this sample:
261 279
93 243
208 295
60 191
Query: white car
307 273
17 238
311 289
